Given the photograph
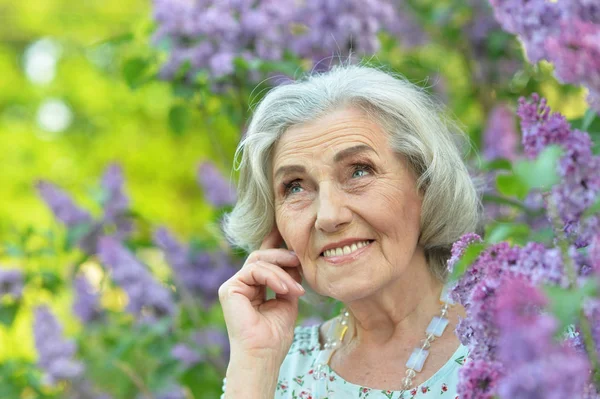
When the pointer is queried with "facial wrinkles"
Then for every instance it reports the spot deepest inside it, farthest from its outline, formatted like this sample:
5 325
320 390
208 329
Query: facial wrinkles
314 147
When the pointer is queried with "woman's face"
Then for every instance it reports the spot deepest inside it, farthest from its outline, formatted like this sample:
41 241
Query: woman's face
346 204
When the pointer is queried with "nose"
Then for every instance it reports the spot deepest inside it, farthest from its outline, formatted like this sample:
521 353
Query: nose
332 212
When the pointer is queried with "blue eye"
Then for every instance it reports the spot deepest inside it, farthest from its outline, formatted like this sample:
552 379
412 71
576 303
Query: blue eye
361 170
292 187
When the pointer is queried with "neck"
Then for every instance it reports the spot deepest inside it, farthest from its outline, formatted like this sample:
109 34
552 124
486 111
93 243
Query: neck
398 313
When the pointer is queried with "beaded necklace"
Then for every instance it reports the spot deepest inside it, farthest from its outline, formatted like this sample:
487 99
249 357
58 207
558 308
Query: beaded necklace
415 362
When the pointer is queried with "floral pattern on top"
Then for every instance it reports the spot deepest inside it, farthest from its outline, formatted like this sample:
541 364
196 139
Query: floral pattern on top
298 371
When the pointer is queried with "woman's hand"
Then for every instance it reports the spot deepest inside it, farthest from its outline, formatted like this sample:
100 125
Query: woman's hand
259 328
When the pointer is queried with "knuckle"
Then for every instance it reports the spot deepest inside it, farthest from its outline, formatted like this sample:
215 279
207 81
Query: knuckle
253 257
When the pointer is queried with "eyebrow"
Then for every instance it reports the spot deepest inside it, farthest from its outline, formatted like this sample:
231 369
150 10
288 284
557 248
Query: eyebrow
339 157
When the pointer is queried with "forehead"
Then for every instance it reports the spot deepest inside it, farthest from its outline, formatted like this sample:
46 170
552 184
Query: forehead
322 138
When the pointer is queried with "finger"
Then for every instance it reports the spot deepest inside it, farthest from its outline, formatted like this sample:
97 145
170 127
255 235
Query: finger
285 279
280 257
273 239
295 273
262 275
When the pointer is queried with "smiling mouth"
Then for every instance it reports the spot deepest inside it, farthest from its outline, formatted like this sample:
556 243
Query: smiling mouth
345 250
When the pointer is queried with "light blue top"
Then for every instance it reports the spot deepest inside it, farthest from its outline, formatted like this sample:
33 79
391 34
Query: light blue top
297 375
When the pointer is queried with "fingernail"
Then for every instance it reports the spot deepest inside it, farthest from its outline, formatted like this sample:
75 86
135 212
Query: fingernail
285 288
293 253
300 287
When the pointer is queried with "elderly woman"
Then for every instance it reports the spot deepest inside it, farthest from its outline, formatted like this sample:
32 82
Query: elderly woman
351 183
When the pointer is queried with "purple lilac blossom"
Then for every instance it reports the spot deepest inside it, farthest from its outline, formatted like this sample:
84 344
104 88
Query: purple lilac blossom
476 289
202 273
478 379
500 137
55 353
115 206
210 34
562 32
217 191
536 365
186 355
580 183
63 207
532 20
144 292
459 247
11 283
338 27
594 253
86 305
116 203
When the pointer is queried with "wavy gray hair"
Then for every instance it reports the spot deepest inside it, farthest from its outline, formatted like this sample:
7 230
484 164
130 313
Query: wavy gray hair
418 130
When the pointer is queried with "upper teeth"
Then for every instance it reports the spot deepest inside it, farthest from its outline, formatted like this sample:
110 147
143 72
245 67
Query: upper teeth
345 250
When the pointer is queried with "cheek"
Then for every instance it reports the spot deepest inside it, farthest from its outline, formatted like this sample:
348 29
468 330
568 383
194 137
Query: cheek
292 229
393 211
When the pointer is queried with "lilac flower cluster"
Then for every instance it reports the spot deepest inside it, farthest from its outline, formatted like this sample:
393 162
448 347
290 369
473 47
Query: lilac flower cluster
526 344
217 191
55 353
199 272
500 137
147 298
578 168
11 283
86 305
562 32
508 335
114 203
210 34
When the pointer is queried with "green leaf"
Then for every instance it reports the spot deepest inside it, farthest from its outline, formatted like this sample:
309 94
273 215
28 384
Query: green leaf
8 313
50 281
518 232
511 185
469 256
565 304
592 210
134 71
497 164
183 90
588 119
116 40
179 118
541 172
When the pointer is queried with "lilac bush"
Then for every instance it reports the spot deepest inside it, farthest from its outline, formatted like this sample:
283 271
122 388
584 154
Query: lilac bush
508 328
56 354
147 298
562 32
209 35
217 190
81 225
86 304
199 272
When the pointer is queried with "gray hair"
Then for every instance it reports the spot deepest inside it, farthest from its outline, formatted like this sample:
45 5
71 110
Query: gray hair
418 130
